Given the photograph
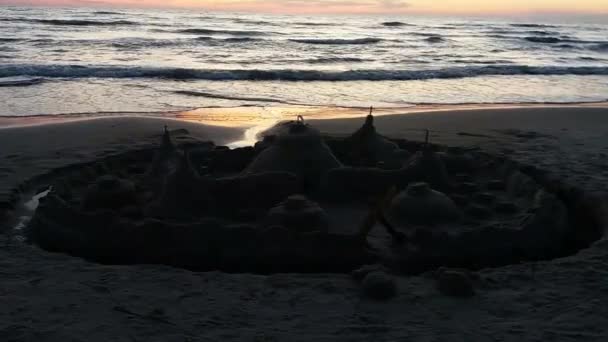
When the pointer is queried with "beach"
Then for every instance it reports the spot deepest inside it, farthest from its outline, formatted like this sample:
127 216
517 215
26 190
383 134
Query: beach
51 296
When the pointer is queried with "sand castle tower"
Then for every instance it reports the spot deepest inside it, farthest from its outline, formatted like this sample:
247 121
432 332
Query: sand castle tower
370 148
419 204
166 157
184 192
298 149
428 166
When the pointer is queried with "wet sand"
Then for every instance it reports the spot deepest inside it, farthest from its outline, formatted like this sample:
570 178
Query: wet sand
48 297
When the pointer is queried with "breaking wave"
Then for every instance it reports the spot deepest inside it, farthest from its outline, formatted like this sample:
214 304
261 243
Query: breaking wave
80 71
359 41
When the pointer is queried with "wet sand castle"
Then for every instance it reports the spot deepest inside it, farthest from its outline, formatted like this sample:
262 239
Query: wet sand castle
301 202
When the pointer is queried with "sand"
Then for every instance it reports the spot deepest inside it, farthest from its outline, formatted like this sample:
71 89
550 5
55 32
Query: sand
54 297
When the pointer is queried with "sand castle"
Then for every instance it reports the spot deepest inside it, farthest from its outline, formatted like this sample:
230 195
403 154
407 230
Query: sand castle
275 208
368 148
299 149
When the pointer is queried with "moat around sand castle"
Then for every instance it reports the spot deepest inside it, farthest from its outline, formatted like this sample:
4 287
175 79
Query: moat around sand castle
298 201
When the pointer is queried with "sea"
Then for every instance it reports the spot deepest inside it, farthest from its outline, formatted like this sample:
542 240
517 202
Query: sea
90 61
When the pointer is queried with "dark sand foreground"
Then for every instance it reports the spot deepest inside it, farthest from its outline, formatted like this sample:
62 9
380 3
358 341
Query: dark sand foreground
54 297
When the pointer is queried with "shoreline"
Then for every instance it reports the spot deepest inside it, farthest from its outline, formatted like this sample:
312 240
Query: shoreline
254 120
199 114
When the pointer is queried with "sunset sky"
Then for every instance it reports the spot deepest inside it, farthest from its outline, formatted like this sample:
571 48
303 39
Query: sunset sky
356 6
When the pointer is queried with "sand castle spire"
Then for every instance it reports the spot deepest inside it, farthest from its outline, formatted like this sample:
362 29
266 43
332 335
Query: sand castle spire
166 142
367 147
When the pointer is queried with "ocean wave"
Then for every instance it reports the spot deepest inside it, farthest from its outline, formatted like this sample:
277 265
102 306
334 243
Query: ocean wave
139 43
225 97
254 22
474 61
240 39
8 49
443 27
222 32
592 59
500 36
435 39
565 40
425 34
516 32
546 40
542 33
532 25
602 47
228 40
9 40
566 46
396 24
108 13
71 22
314 24
358 41
19 81
330 60
134 43
81 71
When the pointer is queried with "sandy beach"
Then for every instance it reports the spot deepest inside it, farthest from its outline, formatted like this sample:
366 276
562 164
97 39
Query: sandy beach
52 297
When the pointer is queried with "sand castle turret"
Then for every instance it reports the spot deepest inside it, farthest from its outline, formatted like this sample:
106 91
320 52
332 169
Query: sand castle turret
420 204
298 149
165 159
370 148
183 190
428 166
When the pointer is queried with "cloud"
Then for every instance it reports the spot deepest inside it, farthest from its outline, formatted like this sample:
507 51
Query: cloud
394 4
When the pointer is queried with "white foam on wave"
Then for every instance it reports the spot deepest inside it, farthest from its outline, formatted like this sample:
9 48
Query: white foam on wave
81 71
